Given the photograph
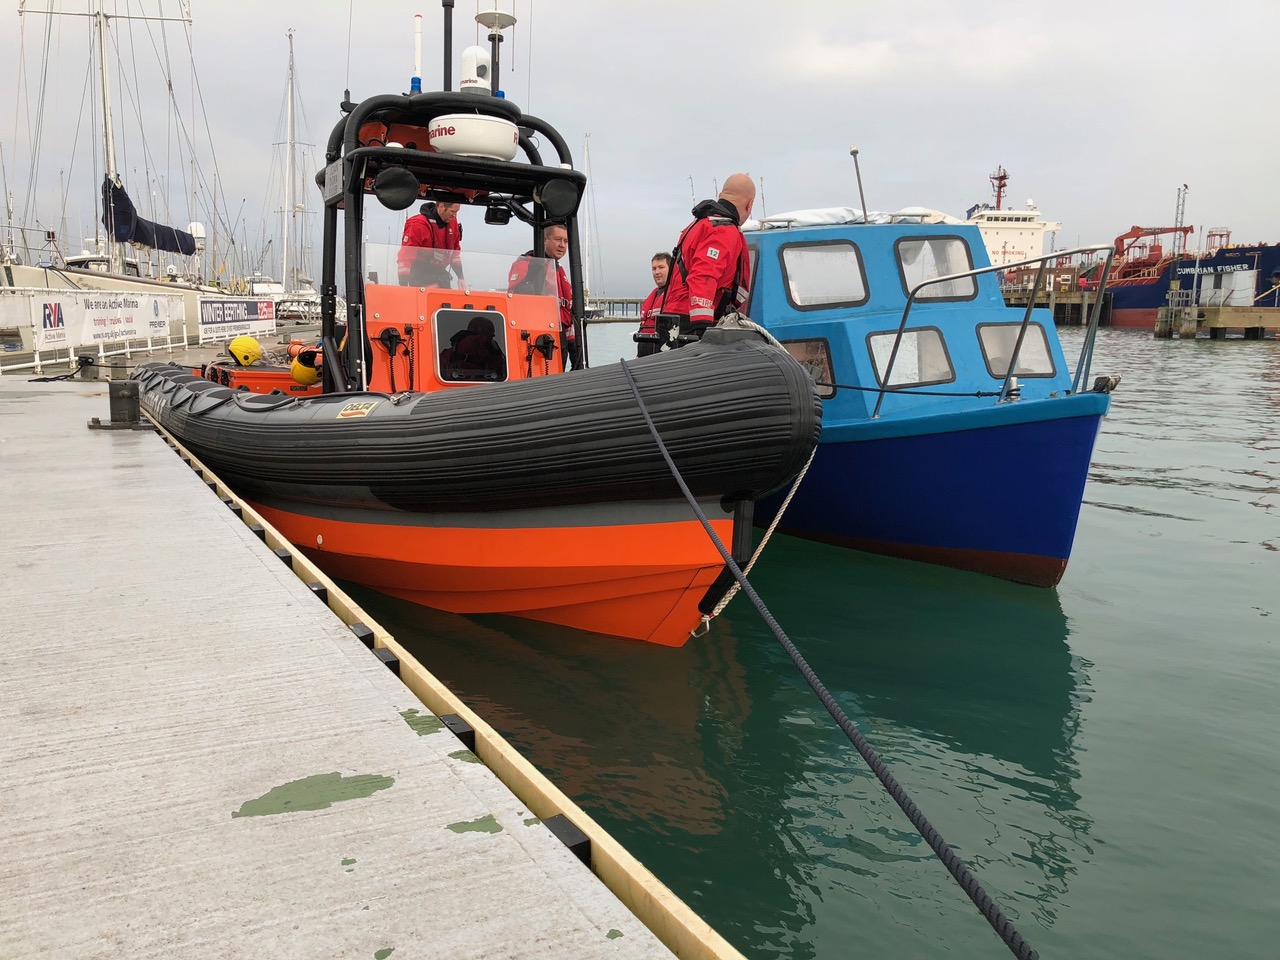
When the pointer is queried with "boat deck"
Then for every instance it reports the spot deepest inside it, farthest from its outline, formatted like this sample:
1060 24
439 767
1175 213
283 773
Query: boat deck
201 759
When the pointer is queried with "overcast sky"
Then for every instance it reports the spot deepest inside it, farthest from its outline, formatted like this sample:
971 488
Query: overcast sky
1097 111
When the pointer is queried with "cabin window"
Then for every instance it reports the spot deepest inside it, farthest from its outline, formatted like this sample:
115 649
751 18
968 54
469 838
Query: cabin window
927 258
922 357
998 341
470 346
815 357
823 274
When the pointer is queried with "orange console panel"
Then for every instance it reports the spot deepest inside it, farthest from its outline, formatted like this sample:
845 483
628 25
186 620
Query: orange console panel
426 338
258 378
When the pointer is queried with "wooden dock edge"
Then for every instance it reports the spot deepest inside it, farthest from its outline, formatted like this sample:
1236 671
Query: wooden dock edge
670 919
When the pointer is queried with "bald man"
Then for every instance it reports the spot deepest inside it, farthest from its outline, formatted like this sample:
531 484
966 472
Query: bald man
711 275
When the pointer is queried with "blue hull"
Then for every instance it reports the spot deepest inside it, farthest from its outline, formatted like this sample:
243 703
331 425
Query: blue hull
924 460
997 498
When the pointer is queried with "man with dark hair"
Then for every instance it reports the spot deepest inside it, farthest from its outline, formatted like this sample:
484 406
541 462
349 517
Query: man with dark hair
653 336
431 246
711 273
528 276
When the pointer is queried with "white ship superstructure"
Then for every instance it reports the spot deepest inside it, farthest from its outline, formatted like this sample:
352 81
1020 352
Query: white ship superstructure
1010 235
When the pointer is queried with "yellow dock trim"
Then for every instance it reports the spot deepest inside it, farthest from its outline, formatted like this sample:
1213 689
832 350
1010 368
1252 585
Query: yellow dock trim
669 918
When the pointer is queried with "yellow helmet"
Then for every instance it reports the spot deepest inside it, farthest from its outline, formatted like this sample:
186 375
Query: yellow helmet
245 349
304 373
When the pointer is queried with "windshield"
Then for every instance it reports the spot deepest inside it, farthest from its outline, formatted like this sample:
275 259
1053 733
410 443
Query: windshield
393 265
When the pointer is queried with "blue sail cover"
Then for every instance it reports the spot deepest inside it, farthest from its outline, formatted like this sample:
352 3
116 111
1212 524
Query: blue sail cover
121 217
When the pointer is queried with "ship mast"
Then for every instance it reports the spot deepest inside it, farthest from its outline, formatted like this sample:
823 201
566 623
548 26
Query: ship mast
999 180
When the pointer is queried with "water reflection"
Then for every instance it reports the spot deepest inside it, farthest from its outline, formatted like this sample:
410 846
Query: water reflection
718 768
968 689
613 720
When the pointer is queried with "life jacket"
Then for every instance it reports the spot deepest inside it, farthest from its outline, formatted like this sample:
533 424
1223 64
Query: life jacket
709 215
524 279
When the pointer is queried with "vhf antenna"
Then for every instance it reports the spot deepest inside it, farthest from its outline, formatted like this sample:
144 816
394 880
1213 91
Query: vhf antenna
853 152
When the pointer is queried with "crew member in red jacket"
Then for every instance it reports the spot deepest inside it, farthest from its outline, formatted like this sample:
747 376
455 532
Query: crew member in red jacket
431 247
711 275
651 339
527 277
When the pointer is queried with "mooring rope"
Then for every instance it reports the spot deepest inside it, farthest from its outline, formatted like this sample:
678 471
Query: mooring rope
958 869
773 525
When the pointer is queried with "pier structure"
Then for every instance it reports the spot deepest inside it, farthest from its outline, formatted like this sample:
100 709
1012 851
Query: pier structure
1069 307
1184 316
614 309
209 750
1186 322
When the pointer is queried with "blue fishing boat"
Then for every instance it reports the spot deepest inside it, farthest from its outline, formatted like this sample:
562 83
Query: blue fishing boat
954 430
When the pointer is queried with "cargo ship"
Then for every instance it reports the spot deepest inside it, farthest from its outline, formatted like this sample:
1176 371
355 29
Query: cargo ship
1011 235
1223 275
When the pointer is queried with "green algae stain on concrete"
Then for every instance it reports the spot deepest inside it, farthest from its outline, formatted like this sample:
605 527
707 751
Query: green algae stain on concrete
532 821
383 953
614 934
347 862
313 793
466 756
487 824
423 724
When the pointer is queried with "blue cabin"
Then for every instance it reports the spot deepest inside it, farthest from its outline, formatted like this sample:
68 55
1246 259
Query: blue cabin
932 448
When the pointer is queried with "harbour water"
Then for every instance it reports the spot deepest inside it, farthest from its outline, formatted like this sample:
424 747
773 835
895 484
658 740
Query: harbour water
1103 755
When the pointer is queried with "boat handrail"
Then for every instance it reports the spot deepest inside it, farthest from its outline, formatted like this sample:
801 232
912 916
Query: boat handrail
30 246
1086 349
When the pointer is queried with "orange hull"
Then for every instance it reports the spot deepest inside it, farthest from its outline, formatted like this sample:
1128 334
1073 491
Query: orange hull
641 581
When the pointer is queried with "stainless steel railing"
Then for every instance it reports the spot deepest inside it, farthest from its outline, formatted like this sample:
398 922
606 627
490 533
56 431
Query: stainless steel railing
1086 349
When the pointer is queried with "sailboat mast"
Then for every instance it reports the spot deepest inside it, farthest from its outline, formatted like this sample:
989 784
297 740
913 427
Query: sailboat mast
115 252
586 225
290 203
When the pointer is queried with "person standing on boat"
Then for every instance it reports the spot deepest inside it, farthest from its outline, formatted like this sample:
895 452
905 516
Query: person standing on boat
652 336
525 277
431 246
711 272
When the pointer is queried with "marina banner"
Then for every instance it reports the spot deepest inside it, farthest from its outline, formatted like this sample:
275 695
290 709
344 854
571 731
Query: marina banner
87 317
225 317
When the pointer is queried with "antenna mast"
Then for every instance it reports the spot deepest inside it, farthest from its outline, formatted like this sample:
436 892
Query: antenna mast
999 180
497 21
1180 236
862 199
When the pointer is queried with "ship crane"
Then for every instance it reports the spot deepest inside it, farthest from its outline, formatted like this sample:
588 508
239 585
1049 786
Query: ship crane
1135 233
